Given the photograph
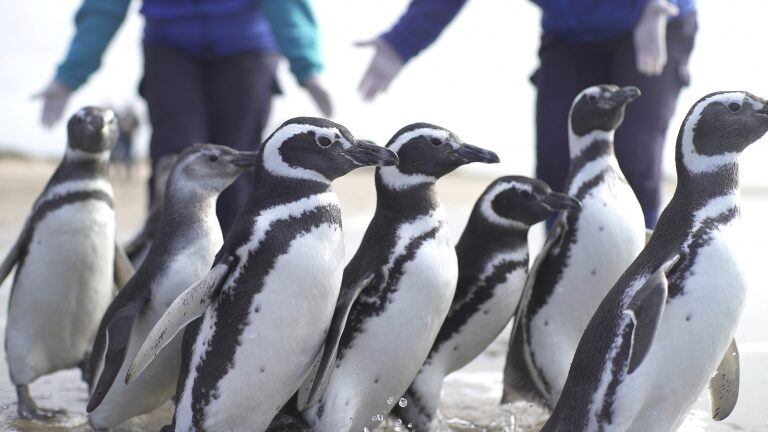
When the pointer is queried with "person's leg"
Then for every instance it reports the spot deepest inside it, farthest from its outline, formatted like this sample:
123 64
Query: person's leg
565 70
239 93
173 88
640 139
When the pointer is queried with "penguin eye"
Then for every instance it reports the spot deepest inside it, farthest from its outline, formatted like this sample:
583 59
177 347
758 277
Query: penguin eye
213 158
324 141
435 142
525 194
734 107
591 98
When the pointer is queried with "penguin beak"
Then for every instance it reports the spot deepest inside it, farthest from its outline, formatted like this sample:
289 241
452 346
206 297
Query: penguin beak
469 153
559 201
624 95
244 159
366 153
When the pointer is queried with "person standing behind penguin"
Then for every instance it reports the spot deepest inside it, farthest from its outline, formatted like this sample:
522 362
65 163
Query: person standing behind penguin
644 43
209 70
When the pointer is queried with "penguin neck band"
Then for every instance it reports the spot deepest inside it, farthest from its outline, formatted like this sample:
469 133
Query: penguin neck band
578 144
396 180
76 155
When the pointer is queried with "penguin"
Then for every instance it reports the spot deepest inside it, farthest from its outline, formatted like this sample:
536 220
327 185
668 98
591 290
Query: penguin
666 327
400 283
493 263
585 252
138 247
267 304
187 237
66 262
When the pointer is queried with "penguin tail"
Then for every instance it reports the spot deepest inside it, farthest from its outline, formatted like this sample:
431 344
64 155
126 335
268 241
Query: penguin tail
519 385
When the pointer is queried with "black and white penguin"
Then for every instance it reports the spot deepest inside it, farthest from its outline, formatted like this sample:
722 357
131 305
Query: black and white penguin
66 261
493 263
138 247
403 276
186 241
269 299
585 252
668 323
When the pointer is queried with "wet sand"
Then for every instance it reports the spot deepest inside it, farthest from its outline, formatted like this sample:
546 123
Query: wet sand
470 396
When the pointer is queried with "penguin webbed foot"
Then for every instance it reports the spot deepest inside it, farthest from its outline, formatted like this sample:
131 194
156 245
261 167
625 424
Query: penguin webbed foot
288 423
28 409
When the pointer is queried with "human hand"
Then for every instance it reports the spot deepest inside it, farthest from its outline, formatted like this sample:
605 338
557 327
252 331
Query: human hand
319 94
650 37
55 97
384 67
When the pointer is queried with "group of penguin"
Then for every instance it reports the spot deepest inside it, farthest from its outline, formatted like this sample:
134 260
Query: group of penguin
615 328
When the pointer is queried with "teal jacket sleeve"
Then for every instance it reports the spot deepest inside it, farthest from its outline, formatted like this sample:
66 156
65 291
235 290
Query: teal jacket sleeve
96 22
295 30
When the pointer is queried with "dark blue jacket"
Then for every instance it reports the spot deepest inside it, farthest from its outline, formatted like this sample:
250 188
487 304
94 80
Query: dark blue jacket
201 28
575 20
207 27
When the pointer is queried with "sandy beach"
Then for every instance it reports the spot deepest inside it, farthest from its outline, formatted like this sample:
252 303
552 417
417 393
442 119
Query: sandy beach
470 397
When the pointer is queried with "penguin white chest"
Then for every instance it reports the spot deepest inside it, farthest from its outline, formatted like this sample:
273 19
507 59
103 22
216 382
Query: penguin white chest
62 289
696 329
482 328
284 330
391 347
610 233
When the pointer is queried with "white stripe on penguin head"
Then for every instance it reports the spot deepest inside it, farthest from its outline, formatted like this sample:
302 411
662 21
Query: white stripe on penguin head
396 179
486 207
577 143
694 161
274 163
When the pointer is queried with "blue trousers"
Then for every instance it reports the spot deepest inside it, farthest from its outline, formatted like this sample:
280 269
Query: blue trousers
566 68
220 100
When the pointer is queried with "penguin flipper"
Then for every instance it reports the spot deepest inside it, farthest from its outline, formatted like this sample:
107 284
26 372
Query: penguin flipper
124 270
518 382
724 385
115 336
186 308
644 311
316 382
14 253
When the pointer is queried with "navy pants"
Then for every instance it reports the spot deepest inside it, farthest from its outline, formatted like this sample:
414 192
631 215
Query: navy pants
220 100
567 68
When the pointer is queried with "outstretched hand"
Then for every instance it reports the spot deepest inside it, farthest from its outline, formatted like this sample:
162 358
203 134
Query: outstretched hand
650 37
55 97
320 95
384 67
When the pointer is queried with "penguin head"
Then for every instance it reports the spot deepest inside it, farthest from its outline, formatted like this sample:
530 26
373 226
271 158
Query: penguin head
317 149
517 201
719 127
600 108
428 152
208 169
92 131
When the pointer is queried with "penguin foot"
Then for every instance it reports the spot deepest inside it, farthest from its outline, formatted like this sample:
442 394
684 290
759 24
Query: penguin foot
37 413
28 409
288 423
